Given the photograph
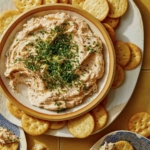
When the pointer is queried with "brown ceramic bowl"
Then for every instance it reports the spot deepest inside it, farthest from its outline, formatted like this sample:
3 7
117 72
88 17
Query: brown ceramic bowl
104 84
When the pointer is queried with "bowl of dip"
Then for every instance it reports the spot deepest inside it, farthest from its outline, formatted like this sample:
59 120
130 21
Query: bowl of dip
57 62
137 141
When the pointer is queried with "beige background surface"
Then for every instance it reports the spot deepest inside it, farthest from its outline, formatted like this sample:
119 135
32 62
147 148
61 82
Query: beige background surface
140 101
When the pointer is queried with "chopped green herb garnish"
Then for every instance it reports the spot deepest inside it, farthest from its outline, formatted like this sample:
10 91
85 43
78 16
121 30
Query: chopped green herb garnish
55 59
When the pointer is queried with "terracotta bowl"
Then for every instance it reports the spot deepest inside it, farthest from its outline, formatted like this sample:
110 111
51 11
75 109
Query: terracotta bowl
90 102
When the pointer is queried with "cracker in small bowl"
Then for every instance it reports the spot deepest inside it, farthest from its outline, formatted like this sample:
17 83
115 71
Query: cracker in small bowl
123 145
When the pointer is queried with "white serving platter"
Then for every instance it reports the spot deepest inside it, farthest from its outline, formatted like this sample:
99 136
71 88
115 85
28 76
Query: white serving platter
130 29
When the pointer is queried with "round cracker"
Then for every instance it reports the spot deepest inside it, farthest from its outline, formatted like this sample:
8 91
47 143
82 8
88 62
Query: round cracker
113 22
34 126
119 77
117 8
50 1
10 146
24 5
6 18
110 31
123 145
39 146
100 117
122 53
98 8
82 126
140 123
135 58
64 1
79 3
54 125
14 110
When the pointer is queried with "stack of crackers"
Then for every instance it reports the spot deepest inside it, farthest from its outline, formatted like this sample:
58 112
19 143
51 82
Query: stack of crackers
128 57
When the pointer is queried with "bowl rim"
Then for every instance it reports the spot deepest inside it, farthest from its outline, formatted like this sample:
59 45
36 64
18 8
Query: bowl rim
122 131
112 64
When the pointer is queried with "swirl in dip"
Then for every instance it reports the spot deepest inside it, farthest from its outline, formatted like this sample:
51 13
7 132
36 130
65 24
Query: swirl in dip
59 59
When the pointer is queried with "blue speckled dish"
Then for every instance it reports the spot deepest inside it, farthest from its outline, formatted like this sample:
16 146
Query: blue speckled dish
6 124
138 142
16 130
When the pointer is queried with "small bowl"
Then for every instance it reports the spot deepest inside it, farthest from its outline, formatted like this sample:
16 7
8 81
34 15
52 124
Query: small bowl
137 141
14 129
90 102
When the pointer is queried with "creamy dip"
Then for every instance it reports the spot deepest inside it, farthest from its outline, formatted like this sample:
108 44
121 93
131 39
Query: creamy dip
7 136
58 57
107 146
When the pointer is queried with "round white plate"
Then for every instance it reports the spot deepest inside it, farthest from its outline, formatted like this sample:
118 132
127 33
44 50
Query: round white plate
130 29
16 130
137 141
